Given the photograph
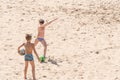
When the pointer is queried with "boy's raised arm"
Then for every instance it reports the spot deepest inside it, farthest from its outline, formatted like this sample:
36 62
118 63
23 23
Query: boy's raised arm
49 22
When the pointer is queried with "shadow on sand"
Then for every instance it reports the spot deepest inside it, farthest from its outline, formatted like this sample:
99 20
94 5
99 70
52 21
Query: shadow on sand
52 61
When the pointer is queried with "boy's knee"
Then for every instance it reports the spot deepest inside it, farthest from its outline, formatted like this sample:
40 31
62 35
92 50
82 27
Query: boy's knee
26 67
46 46
33 68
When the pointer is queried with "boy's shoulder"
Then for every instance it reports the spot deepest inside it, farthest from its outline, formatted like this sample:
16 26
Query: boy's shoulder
32 43
27 43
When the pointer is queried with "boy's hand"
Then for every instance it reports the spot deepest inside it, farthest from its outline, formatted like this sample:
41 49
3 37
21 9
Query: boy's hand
18 51
39 60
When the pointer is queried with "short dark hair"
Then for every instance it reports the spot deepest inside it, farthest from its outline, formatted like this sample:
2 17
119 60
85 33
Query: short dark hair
28 37
41 21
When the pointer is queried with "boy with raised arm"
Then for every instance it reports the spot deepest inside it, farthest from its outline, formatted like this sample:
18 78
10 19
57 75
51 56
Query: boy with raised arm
41 33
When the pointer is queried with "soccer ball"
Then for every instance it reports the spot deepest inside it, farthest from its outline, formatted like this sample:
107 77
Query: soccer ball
22 52
42 58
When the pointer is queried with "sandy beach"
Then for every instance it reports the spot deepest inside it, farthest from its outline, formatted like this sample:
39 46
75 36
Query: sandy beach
83 44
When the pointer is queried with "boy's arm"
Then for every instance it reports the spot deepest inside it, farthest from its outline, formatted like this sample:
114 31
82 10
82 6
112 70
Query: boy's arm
49 22
20 47
36 52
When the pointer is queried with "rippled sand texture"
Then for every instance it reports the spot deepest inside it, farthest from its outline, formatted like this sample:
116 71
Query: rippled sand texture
83 44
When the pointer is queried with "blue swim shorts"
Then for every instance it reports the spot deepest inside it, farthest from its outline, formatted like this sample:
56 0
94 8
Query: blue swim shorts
28 57
40 39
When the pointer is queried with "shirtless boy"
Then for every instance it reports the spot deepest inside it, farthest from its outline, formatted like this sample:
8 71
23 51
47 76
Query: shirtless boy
41 33
29 48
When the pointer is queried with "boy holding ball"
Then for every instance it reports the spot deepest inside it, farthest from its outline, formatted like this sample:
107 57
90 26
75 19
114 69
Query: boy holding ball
29 48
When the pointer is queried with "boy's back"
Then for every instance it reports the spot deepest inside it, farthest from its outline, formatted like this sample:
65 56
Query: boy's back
28 47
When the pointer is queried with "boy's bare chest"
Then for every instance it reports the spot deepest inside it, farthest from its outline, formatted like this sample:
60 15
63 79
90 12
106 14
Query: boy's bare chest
42 28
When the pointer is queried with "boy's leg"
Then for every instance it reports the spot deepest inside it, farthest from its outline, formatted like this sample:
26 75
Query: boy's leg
36 42
45 46
33 69
25 70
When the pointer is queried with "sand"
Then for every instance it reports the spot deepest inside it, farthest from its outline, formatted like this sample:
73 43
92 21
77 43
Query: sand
83 44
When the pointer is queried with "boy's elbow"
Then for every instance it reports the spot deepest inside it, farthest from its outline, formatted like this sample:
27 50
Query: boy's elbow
18 48
35 52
